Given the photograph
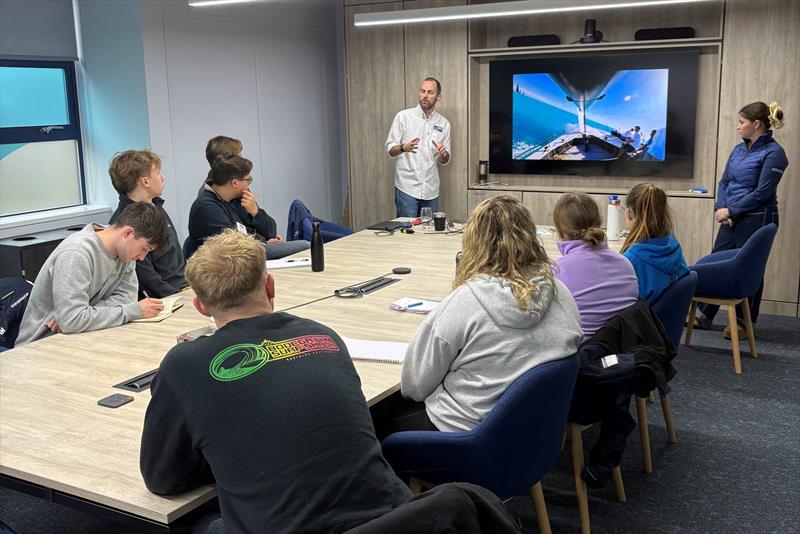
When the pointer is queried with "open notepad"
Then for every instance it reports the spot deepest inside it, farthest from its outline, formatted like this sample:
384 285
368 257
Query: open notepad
414 305
170 305
369 350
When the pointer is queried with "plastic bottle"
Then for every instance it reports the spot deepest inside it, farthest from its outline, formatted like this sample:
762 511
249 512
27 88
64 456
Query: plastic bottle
614 218
317 251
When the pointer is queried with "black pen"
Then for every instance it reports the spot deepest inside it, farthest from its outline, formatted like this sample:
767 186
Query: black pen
301 259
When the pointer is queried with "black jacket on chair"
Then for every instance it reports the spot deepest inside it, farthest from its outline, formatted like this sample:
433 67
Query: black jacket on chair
642 346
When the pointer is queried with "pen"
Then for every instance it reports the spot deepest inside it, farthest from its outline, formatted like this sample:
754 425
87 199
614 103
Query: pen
7 295
414 304
300 259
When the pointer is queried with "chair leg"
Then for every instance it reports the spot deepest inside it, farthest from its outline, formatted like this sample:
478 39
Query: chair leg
690 323
737 360
644 433
542 519
576 447
616 474
564 438
748 326
671 434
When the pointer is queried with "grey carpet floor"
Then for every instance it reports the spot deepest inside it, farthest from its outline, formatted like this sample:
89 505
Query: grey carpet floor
735 468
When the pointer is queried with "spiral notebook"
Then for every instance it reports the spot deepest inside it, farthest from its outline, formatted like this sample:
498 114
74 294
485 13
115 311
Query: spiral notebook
369 350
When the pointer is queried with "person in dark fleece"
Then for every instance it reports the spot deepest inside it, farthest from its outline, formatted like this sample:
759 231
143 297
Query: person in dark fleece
269 408
136 175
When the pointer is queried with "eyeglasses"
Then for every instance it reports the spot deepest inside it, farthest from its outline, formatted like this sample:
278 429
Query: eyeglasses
249 179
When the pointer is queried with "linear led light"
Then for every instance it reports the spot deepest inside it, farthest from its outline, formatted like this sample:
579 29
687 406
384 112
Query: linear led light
203 3
501 9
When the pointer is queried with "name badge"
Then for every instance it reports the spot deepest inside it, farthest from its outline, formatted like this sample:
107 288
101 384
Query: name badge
241 228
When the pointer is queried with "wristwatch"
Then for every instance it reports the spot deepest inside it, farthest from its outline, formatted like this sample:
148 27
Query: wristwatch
401 148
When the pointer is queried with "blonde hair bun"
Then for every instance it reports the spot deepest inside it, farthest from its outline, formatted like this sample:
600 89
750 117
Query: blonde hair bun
775 115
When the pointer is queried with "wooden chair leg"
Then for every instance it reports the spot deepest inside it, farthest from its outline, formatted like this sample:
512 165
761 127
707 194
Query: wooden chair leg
748 326
644 433
737 360
564 438
690 323
616 474
542 518
671 434
576 448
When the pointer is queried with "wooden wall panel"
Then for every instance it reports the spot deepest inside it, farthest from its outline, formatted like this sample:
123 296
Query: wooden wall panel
438 50
760 62
616 24
476 196
375 93
692 227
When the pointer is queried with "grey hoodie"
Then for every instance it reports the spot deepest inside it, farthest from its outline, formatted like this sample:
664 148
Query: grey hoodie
477 342
83 287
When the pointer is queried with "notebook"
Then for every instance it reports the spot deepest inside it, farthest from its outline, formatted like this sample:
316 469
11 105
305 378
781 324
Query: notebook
414 305
170 305
388 226
369 350
290 263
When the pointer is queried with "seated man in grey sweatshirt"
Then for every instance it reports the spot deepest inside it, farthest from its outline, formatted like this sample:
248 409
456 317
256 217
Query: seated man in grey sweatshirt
89 281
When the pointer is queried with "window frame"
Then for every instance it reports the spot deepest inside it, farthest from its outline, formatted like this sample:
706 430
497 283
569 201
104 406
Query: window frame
61 132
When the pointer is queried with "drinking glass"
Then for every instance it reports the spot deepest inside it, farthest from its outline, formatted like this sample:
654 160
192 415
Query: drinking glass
426 216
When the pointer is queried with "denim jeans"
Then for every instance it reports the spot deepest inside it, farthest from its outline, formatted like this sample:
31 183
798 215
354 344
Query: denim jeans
276 251
408 206
730 238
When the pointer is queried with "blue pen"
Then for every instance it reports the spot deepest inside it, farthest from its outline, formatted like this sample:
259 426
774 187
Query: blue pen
415 304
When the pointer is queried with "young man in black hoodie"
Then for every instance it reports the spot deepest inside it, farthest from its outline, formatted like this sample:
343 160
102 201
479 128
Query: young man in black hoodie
136 175
226 202
270 408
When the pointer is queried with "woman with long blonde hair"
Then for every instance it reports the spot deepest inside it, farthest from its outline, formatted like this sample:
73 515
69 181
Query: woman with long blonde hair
651 247
506 315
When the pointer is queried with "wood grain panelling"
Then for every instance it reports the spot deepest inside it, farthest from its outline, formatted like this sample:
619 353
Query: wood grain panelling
375 92
704 148
760 62
616 24
478 196
438 50
772 307
692 225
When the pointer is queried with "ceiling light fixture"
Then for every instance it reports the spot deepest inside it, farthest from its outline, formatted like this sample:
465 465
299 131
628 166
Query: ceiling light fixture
204 3
501 9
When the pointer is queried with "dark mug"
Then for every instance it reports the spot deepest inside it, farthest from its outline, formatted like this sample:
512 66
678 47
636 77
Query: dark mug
439 220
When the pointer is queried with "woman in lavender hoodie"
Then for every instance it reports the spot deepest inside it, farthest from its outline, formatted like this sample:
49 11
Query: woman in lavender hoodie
602 281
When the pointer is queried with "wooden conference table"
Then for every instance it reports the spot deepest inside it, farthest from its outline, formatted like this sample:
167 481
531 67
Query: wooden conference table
56 442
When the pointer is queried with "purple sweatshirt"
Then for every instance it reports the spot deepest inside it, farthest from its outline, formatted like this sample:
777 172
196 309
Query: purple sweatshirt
602 282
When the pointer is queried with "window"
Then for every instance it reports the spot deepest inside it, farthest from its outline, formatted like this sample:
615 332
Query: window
40 139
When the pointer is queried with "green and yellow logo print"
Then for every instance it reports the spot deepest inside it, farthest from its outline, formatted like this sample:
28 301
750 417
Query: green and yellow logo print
244 359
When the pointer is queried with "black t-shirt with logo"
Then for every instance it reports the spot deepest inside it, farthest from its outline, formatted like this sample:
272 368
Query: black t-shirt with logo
271 409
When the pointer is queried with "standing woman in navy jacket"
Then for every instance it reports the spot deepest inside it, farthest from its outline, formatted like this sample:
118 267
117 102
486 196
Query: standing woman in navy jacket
746 198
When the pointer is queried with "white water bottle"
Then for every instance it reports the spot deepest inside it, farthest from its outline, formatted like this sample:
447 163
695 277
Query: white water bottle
614 218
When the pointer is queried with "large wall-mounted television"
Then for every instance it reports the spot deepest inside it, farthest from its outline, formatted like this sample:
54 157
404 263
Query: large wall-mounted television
593 115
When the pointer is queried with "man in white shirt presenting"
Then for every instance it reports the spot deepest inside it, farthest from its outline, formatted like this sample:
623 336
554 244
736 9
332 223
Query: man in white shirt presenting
419 141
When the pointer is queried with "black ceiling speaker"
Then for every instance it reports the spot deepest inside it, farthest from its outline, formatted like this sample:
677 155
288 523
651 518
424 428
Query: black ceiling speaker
590 32
651 34
534 40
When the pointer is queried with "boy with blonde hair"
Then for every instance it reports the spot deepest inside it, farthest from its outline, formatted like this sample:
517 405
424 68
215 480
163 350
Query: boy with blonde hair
270 408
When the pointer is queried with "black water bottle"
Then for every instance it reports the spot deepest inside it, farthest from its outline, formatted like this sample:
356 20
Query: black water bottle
317 252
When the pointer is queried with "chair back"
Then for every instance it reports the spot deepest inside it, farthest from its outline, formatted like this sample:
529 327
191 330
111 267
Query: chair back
15 292
752 260
510 450
673 304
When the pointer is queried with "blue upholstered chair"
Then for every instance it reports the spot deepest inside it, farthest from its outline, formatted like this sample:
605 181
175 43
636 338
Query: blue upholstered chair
299 225
670 307
730 277
508 452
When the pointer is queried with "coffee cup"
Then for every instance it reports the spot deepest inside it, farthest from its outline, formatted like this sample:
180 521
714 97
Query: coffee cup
439 220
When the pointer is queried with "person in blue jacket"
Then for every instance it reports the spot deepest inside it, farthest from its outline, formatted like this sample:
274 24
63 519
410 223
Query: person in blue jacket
747 194
651 248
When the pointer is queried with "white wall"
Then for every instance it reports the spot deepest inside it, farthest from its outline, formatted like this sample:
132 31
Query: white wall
267 73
